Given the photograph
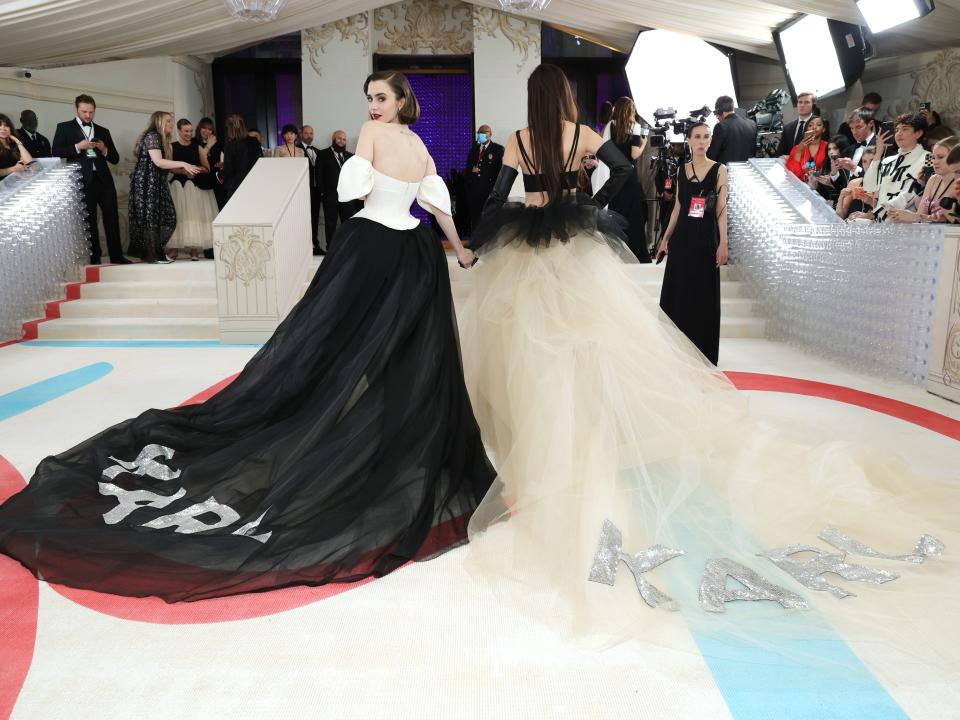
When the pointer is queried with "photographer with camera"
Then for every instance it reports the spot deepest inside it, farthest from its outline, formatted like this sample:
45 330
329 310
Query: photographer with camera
734 137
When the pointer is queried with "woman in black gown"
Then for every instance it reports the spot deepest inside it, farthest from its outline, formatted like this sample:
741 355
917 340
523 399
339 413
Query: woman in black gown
629 200
344 442
151 213
696 240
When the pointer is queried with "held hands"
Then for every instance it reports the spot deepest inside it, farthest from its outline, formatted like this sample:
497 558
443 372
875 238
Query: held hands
191 170
466 259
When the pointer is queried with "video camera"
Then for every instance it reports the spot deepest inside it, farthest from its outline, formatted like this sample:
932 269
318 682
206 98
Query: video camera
666 122
768 115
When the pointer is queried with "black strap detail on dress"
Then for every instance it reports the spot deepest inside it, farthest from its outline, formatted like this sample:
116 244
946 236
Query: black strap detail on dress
533 182
523 154
573 148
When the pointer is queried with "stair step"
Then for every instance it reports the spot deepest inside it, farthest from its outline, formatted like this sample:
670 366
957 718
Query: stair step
180 270
130 329
742 327
169 307
138 289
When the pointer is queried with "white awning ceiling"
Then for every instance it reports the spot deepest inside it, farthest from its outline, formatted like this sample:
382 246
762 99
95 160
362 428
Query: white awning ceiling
41 33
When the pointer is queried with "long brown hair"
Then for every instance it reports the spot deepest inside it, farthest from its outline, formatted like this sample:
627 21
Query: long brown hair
236 127
9 147
623 118
410 110
549 102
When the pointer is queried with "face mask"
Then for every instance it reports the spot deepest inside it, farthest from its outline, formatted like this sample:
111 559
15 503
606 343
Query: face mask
481 138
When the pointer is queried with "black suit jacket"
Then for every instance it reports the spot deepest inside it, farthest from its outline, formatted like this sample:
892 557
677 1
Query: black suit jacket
70 133
787 138
490 163
734 140
38 148
314 169
328 173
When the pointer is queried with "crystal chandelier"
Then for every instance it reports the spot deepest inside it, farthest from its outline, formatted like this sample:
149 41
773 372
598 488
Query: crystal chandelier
523 5
257 10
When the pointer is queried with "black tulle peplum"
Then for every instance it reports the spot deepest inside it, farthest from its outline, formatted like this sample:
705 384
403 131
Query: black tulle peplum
514 222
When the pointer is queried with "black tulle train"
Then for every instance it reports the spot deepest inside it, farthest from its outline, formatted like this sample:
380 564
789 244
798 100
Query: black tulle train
345 440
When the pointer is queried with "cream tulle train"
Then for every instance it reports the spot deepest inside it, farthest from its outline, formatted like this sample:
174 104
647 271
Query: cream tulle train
596 407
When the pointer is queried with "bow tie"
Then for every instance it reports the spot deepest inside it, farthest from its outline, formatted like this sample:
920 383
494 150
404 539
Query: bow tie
87 124
861 144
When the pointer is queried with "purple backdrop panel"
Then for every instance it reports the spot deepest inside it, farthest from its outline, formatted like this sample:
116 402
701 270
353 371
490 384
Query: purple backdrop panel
288 102
446 121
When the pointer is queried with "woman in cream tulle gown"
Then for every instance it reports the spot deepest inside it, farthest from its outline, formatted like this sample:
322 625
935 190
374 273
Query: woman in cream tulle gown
596 408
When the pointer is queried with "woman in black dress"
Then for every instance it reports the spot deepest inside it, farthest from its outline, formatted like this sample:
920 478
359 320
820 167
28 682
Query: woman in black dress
240 154
206 137
151 212
696 240
629 201
13 155
196 206
345 448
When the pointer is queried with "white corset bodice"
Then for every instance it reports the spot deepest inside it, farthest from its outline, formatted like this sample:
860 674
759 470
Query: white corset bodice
388 200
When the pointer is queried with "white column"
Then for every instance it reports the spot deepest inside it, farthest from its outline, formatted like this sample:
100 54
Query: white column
506 49
263 249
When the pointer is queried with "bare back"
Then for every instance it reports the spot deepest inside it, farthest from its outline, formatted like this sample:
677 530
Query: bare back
395 150
588 144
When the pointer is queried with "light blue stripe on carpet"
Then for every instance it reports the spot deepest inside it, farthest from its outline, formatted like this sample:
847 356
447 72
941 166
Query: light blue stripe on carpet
39 393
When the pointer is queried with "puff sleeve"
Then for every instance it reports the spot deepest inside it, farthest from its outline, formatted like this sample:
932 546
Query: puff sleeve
356 179
433 195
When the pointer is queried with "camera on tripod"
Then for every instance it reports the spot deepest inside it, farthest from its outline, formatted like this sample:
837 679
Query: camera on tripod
665 122
768 115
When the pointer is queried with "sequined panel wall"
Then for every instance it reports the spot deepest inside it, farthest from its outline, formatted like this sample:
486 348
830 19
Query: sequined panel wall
446 120
859 293
43 240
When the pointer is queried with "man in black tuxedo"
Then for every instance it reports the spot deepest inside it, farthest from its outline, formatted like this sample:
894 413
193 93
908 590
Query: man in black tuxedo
871 101
734 137
91 147
483 165
793 131
329 161
862 126
35 143
312 153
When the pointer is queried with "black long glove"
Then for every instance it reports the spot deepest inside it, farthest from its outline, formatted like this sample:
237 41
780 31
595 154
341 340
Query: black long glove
620 169
501 188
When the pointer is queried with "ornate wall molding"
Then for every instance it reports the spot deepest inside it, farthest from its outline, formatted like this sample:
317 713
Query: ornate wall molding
939 82
244 255
523 34
424 27
315 40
